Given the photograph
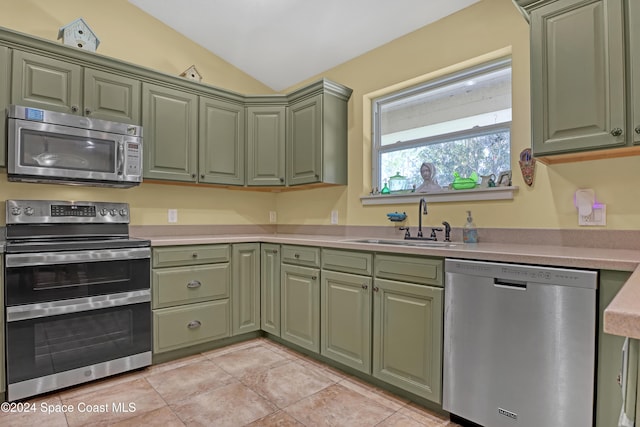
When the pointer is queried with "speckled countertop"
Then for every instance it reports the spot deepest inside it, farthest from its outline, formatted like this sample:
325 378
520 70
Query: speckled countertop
621 317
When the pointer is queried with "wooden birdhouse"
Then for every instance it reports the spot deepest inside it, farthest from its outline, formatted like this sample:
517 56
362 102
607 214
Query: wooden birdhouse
191 73
79 34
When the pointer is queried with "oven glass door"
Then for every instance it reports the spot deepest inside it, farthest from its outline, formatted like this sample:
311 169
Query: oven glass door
32 279
43 346
63 151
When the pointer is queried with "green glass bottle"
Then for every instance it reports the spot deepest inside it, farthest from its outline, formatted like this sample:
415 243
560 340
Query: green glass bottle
385 189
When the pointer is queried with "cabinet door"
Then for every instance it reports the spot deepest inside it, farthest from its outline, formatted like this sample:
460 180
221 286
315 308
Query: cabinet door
265 145
270 288
407 337
304 141
609 397
300 306
2 380
245 294
577 76
346 319
634 60
108 96
221 142
5 72
46 83
170 122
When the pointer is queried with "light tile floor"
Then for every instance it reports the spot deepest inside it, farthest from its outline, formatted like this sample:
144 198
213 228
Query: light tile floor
254 383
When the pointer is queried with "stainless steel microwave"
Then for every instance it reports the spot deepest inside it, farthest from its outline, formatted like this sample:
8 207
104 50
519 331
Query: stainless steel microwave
46 146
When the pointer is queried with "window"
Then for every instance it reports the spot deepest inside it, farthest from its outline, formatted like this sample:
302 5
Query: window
459 123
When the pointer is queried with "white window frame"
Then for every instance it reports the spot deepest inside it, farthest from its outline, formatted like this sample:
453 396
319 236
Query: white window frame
377 149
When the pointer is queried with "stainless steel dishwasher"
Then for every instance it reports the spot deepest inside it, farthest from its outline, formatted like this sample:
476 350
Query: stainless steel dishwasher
519 344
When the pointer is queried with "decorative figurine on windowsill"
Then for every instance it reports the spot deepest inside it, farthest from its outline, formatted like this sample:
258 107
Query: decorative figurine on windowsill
430 184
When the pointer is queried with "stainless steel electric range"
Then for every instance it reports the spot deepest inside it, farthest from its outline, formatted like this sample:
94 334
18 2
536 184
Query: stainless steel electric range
77 295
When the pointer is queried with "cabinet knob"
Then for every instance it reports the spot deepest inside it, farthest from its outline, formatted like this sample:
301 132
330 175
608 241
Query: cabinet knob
317 176
87 111
202 176
313 277
365 287
193 175
194 255
637 129
275 251
296 256
616 132
194 284
194 324
376 289
282 179
74 108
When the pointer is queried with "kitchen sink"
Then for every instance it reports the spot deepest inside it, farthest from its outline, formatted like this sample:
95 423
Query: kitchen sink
418 243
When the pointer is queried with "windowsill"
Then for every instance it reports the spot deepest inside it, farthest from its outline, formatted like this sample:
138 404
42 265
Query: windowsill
477 194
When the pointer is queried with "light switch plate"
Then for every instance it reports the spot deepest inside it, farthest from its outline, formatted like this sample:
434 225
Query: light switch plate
273 217
334 217
172 215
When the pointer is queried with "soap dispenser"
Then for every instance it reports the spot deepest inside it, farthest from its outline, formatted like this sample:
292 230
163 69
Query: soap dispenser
469 232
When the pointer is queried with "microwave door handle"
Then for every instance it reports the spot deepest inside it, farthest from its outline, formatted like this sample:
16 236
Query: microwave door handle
120 167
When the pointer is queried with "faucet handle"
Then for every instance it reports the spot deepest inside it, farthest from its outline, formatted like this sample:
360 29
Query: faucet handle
433 233
406 234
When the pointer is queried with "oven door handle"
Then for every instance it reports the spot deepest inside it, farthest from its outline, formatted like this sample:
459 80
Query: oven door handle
76 305
75 257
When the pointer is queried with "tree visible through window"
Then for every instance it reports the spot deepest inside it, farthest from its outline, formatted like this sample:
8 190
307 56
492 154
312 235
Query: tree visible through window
460 123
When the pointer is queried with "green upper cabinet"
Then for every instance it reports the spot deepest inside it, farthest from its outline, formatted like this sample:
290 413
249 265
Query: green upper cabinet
47 83
52 84
5 72
266 145
108 96
578 100
245 293
170 122
317 134
633 8
221 142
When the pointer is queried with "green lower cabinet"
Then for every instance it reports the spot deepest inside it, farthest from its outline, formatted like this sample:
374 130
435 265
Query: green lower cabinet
300 306
270 288
346 319
2 379
608 392
245 294
186 325
407 337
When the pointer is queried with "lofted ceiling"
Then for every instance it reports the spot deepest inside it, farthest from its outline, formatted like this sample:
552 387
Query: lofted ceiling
283 42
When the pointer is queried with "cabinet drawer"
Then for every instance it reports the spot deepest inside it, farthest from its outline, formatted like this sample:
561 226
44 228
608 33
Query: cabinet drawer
347 261
184 285
426 271
175 256
301 255
186 325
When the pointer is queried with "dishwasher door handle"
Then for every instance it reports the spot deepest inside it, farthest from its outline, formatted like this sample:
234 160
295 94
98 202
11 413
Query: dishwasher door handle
511 284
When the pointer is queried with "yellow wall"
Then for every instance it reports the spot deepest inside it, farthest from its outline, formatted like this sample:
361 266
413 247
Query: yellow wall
126 33
488 28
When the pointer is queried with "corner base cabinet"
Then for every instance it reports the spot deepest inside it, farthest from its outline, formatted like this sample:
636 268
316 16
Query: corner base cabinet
245 293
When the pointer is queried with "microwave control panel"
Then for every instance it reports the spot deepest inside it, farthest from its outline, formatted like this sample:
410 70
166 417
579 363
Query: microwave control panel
134 158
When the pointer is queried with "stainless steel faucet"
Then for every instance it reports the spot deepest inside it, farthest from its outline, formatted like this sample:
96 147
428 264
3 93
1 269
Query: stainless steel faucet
422 210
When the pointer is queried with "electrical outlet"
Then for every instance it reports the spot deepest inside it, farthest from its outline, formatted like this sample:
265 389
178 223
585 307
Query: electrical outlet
273 217
598 216
334 217
172 215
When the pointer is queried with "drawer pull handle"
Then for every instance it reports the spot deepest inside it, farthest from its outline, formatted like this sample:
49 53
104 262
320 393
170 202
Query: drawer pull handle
194 324
194 255
194 284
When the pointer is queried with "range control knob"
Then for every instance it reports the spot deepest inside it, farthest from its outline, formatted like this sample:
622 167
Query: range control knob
113 212
104 211
123 212
15 211
28 211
